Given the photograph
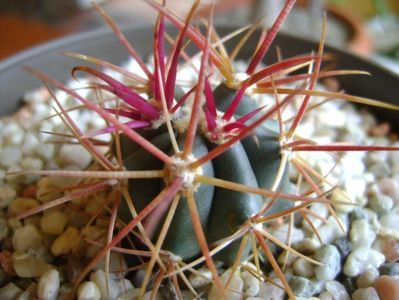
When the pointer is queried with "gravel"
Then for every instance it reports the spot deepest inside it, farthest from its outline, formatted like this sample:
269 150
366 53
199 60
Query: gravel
360 243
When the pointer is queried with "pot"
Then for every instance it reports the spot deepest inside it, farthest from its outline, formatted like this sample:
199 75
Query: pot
15 82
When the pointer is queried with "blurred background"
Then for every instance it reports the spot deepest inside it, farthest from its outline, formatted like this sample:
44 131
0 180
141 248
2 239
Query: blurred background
366 27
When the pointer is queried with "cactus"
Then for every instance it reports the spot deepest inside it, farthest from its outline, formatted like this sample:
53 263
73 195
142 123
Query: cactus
198 174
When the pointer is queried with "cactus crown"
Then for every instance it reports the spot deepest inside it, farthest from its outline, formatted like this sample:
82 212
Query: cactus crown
197 172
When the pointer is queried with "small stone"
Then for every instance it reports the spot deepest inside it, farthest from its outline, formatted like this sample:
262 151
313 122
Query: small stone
283 232
10 292
342 201
88 290
53 222
303 268
49 285
108 290
45 151
326 296
362 234
286 258
331 231
28 266
201 279
13 133
343 245
390 249
126 285
390 269
251 283
235 287
337 290
10 155
67 242
149 296
367 278
14 224
21 205
387 287
381 204
25 238
349 283
270 291
308 245
391 219
7 195
331 260
389 186
74 155
365 294
29 293
362 259
30 163
321 211
357 213
29 144
302 287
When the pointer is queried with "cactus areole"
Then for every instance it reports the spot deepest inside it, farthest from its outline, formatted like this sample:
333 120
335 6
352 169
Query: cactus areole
254 161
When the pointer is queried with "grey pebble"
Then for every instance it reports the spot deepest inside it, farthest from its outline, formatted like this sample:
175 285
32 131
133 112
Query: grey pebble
357 213
390 269
331 259
343 245
303 287
349 283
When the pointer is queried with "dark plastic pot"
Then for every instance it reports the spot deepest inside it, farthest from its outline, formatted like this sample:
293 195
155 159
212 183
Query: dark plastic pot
15 82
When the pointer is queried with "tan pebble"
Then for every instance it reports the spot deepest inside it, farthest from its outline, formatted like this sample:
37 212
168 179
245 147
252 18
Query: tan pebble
46 190
14 224
367 278
20 205
28 266
387 287
53 222
33 220
25 238
93 232
365 294
76 218
97 234
66 243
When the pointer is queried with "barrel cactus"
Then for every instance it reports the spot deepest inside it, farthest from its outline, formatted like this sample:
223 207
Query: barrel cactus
197 171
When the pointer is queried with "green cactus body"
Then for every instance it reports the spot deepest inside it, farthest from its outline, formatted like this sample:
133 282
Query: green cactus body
254 162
